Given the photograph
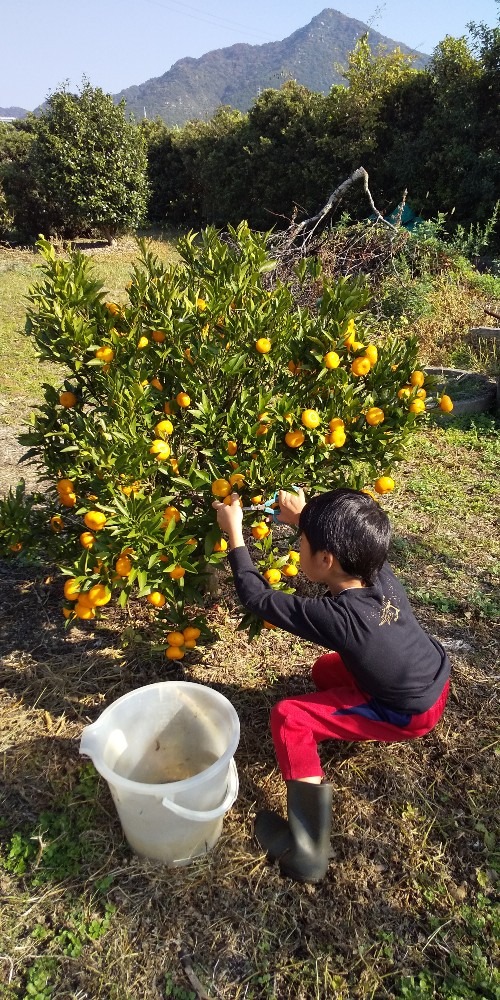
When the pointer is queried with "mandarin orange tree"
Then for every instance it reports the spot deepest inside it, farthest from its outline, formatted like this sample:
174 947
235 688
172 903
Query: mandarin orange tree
207 379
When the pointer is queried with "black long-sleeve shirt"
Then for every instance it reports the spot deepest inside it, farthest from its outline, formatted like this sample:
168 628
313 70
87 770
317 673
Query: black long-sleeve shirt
373 629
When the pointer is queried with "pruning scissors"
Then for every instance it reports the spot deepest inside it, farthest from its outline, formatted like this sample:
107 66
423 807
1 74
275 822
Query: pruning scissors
270 507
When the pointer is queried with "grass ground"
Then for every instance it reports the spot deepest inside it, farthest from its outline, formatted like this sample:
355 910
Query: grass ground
408 910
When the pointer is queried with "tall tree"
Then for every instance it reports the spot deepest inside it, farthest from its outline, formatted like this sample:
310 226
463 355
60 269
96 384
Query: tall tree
86 168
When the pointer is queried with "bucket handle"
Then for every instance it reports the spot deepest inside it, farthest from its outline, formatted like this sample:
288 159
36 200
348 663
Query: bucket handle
209 814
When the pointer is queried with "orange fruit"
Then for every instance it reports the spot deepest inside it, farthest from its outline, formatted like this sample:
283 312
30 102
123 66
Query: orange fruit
67 399
142 343
156 599
294 439
56 523
163 428
263 345
99 595
105 353
310 419
171 514
374 416
175 466
112 308
83 611
236 480
384 484
201 304
336 423
175 638
417 378
262 429
338 438
67 612
417 406
221 545
187 354
290 570
190 643
158 336
177 573
156 383
174 653
446 404
160 449
71 589
294 556
95 520
227 501
371 353
16 547
65 486
191 632
260 530
257 499
331 360
87 539
272 576
294 367
231 447
123 565
183 399
67 499
221 488
360 366
421 394
404 392
84 600
167 408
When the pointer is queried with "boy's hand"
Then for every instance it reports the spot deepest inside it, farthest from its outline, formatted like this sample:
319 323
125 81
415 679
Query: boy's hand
291 505
230 519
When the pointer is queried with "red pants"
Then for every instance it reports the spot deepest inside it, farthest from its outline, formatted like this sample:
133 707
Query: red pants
338 710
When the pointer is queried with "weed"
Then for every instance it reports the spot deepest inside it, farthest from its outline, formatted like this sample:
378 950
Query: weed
177 992
38 980
55 847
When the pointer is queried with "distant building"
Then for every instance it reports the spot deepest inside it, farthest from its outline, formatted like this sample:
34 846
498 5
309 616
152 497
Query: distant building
7 120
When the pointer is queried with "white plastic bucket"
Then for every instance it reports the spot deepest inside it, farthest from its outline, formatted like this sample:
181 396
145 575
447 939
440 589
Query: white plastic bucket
166 752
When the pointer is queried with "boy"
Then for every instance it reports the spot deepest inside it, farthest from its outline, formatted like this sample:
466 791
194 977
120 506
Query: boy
387 679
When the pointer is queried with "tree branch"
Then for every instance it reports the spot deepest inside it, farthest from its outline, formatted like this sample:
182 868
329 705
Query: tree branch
316 223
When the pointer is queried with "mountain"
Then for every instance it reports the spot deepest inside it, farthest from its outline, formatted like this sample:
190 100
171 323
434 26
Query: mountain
13 112
195 88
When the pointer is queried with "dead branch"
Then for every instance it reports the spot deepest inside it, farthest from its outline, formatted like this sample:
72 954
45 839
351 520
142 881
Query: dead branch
490 313
313 226
185 960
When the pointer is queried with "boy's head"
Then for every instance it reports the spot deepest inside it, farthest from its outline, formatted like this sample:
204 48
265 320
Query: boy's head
352 527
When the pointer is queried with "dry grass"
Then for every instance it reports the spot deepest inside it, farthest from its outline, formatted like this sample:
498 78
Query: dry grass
452 310
410 887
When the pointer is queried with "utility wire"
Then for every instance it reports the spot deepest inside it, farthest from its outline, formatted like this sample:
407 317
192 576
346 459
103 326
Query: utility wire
215 20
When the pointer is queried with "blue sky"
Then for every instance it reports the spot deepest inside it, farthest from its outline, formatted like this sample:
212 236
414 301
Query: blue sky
118 43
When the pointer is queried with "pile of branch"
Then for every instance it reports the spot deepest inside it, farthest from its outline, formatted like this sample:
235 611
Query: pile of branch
361 248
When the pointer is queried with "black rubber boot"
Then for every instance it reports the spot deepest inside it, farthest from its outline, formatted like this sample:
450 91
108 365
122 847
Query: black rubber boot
272 833
302 844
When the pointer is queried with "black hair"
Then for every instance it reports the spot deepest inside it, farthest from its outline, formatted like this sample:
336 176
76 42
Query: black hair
351 526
